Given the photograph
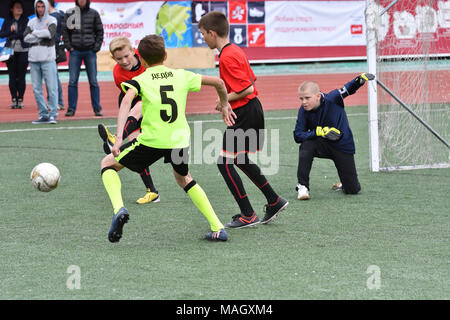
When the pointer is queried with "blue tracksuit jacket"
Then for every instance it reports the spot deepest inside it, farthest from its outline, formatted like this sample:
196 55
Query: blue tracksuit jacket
330 113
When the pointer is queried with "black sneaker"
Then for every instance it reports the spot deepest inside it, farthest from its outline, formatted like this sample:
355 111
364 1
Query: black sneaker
70 113
118 220
98 113
272 211
241 221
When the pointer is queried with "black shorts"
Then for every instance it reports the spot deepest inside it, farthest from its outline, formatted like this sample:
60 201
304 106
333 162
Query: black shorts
138 157
247 134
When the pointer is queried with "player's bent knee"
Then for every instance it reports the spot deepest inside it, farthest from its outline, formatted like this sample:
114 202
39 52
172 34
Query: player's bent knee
110 162
182 181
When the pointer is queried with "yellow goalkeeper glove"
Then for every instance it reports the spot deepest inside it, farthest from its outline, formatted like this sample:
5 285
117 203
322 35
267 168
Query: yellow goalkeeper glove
365 76
332 134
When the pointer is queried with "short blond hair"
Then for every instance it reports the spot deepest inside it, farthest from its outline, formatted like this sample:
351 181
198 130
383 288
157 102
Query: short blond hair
309 86
119 43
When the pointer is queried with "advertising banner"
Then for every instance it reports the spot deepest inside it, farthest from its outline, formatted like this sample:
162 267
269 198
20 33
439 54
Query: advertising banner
412 27
315 23
131 19
253 24
303 30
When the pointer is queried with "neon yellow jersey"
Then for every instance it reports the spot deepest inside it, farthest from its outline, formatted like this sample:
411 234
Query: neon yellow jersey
164 92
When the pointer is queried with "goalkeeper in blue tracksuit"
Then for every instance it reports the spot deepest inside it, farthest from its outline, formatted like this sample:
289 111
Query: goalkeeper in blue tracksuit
322 129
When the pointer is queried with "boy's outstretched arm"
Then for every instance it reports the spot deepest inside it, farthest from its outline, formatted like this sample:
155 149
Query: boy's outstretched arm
351 87
124 109
223 105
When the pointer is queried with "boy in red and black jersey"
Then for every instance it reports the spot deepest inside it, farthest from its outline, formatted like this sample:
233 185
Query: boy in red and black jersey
128 66
247 134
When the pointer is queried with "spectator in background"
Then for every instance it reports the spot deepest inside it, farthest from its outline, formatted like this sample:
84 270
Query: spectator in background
83 38
12 29
40 34
59 48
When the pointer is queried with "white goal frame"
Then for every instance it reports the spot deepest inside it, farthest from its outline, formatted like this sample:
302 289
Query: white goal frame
372 17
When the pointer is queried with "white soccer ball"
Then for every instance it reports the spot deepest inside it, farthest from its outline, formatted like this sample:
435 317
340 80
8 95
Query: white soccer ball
45 177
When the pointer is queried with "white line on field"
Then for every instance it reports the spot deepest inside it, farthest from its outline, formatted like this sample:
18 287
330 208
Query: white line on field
113 126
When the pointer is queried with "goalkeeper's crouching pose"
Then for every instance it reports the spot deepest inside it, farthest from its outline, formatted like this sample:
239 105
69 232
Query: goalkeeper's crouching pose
322 129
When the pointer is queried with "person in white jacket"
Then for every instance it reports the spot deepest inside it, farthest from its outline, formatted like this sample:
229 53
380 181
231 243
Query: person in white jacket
40 34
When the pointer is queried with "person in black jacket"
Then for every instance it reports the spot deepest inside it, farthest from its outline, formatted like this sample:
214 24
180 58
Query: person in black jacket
12 29
83 37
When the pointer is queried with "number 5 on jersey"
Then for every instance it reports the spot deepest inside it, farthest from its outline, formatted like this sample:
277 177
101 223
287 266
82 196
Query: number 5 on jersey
173 105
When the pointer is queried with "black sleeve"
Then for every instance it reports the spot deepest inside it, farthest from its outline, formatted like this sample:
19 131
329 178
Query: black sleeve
52 30
99 32
22 27
133 103
352 86
131 83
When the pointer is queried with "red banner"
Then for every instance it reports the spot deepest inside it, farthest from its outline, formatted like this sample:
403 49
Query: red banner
415 27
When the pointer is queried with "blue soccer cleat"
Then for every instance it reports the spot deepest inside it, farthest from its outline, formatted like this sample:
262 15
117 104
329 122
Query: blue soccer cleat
118 220
220 235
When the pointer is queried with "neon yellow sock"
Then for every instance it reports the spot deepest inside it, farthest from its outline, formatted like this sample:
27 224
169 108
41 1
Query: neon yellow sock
113 186
199 198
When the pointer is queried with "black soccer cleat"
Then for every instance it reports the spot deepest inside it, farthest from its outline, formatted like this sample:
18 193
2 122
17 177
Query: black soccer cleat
241 221
273 210
118 220
108 138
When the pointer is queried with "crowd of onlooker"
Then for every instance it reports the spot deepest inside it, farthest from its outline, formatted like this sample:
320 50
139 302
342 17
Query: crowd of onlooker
41 42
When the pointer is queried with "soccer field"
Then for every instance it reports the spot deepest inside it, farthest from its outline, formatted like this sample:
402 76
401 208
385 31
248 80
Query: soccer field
388 242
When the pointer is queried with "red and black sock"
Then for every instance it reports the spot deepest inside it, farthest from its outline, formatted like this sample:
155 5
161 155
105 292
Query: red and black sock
147 179
254 173
234 183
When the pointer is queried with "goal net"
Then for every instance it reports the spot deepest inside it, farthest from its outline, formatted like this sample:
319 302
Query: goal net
412 45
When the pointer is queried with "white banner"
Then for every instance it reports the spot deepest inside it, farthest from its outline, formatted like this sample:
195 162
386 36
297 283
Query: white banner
315 23
336 27
133 20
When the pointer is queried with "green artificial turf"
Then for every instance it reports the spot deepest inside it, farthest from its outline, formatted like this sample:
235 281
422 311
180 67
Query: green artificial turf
316 249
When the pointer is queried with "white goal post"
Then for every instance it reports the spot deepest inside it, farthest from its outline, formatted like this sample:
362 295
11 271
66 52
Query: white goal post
409 111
